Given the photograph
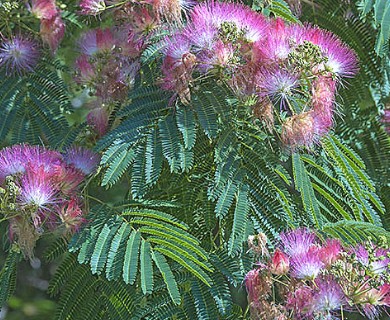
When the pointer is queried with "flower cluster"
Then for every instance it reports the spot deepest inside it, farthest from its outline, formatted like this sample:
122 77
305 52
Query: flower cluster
293 69
40 190
319 279
109 60
52 27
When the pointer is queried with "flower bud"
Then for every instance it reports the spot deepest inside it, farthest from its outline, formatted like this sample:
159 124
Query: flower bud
280 263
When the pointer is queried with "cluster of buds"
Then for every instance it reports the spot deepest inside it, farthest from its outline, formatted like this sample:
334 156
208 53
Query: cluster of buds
52 27
109 59
40 191
293 69
319 279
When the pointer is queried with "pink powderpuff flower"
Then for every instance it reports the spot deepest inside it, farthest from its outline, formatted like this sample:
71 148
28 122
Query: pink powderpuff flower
279 85
52 31
299 130
18 55
330 252
67 178
82 159
323 97
280 263
15 159
96 41
86 73
300 302
37 189
201 35
12 161
307 265
252 282
98 120
382 261
341 60
71 215
251 24
277 45
297 242
328 298
41 157
44 9
92 7
171 10
374 300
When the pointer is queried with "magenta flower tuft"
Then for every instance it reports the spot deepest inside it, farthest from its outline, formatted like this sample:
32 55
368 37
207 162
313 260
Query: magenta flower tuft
94 41
18 55
341 60
44 9
92 7
328 298
52 31
37 188
98 119
300 301
67 178
71 214
278 85
307 265
330 252
82 159
86 72
12 161
297 242
280 263
15 159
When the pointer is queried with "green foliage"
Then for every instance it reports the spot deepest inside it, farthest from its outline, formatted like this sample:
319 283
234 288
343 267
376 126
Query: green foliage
129 245
32 107
381 14
8 275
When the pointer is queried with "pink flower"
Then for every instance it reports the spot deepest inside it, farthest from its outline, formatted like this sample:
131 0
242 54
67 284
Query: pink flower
328 297
307 265
94 41
278 85
98 120
44 9
92 7
252 25
277 45
86 72
71 215
52 31
252 282
16 159
299 130
67 178
297 242
374 300
341 60
18 55
37 188
330 252
82 159
300 302
280 263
